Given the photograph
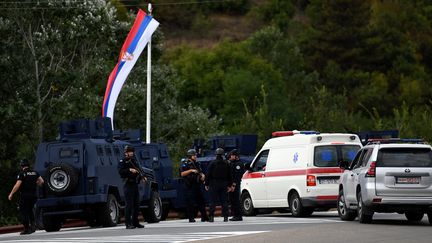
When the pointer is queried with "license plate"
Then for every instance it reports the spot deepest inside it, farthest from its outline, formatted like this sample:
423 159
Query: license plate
329 181
408 180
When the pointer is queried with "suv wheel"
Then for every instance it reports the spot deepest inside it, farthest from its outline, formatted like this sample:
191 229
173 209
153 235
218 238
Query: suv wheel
62 179
108 212
345 213
247 205
414 216
153 213
296 206
363 213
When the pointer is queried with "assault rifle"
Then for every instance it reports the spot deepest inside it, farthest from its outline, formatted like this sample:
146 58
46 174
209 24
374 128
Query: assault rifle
140 171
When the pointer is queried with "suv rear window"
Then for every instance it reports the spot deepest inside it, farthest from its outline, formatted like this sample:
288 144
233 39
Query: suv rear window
331 155
404 157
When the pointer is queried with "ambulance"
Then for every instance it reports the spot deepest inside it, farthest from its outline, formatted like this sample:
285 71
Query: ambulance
297 170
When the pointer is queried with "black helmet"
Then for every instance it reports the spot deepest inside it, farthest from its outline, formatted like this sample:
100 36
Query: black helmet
24 162
129 148
191 152
234 152
219 151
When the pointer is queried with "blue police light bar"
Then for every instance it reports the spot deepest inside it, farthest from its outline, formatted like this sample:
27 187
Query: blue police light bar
291 133
306 132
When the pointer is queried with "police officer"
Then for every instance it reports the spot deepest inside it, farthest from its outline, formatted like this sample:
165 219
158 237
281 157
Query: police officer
191 172
26 183
129 170
237 169
218 183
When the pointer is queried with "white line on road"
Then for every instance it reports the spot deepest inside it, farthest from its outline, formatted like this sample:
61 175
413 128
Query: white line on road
172 238
184 223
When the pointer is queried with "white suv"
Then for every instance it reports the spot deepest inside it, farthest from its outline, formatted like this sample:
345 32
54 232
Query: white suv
393 175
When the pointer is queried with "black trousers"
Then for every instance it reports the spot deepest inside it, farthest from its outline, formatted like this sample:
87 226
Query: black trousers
235 201
218 191
26 204
132 203
195 198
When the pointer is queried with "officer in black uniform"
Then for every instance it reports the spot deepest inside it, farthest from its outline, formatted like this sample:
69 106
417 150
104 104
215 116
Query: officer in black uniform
191 172
237 169
129 170
27 182
218 183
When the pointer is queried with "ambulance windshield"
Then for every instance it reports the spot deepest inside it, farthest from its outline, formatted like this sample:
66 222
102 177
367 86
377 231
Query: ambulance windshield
331 155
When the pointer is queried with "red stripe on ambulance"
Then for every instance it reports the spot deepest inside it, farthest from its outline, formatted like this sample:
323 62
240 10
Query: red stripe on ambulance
260 174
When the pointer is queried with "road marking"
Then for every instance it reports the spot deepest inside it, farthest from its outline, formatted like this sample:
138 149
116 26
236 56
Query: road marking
169 238
260 220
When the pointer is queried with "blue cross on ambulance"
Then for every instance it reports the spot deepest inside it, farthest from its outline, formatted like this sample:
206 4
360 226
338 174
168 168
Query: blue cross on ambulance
297 171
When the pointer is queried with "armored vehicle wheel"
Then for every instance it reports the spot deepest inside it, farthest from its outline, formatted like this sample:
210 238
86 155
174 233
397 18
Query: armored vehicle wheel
363 213
62 179
108 213
51 223
345 213
165 211
296 206
414 216
247 205
153 213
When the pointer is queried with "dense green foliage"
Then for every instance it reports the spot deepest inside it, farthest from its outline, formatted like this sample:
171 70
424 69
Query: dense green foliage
326 65
344 65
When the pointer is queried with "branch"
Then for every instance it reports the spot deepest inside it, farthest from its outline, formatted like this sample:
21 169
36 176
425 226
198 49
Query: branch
46 95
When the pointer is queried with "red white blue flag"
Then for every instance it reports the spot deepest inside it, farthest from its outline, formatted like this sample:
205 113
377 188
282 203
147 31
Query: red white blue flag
137 39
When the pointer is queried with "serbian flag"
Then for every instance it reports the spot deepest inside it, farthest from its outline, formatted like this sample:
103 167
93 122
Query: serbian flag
137 39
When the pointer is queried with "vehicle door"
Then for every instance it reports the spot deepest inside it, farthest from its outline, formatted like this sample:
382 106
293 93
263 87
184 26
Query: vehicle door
148 158
326 158
255 180
404 171
351 179
280 174
69 156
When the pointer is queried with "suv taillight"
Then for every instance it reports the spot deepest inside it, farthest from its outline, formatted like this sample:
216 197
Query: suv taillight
371 171
310 180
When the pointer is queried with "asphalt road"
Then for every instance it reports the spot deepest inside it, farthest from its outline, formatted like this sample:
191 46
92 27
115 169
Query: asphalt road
320 227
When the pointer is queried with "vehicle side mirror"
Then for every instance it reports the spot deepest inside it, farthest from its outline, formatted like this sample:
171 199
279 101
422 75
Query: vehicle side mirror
343 164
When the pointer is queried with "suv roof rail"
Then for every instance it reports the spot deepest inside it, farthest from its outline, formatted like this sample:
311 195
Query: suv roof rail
396 140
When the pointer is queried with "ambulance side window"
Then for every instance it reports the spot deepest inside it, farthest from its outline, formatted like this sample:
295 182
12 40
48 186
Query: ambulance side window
260 162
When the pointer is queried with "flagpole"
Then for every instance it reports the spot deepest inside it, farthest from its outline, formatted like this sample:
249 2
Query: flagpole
148 125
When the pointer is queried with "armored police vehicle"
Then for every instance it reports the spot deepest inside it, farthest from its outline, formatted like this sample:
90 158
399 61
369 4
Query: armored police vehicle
82 180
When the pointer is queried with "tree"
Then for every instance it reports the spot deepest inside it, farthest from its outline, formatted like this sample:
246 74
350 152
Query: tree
171 122
60 47
228 80
339 33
